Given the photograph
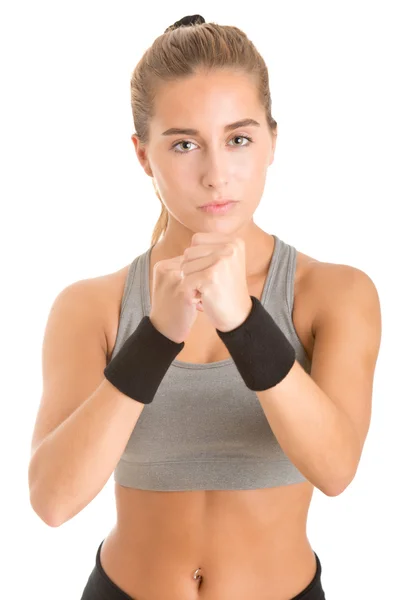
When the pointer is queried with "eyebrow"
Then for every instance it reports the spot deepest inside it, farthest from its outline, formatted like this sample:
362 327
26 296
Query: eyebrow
235 125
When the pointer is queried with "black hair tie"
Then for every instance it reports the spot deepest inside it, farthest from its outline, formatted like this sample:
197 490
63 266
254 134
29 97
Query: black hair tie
185 21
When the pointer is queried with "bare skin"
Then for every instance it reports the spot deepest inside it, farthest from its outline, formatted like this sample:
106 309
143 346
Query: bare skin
246 543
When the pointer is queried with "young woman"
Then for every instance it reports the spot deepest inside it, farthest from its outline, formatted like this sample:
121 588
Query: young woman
222 375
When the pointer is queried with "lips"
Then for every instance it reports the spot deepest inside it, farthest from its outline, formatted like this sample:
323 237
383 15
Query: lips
219 209
219 203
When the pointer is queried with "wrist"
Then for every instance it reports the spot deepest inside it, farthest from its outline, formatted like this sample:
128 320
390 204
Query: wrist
260 350
235 325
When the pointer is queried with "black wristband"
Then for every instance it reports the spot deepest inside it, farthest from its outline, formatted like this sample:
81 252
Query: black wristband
140 365
262 353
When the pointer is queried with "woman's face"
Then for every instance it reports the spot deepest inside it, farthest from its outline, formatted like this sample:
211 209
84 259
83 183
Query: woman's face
212 162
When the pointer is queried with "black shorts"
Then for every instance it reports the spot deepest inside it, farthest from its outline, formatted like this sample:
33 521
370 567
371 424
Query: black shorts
100 587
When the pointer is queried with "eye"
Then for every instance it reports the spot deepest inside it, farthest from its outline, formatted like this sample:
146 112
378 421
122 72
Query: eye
178 144
241 137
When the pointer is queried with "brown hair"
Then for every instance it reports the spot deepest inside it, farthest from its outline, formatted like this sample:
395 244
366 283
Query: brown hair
186 47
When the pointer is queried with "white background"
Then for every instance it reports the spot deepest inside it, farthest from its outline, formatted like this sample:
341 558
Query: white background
75 203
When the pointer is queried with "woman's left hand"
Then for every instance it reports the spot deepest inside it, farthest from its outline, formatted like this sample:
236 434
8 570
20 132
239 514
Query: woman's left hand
215 266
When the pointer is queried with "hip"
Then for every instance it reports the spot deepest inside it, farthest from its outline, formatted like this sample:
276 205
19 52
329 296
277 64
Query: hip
289 576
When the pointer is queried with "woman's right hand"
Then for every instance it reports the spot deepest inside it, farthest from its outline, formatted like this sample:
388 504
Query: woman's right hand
174 305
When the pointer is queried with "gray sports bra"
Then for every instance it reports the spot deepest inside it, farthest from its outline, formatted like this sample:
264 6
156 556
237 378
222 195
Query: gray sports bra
205 430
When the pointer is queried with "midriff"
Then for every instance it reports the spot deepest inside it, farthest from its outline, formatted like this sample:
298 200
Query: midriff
246 543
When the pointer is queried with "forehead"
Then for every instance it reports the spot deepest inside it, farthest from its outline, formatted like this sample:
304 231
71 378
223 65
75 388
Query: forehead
214 98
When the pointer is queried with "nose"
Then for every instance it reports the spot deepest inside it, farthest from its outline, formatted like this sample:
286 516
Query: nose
216 169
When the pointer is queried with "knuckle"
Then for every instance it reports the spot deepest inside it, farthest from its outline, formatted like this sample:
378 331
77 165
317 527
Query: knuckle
161 266
196 237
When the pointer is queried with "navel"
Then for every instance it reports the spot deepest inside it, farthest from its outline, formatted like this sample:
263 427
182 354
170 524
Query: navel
197 574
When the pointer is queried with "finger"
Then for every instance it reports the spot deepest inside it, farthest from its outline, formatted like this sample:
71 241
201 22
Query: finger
210 238
194 252
199 264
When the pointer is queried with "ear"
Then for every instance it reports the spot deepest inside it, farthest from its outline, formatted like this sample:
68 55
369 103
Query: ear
141 153
274 138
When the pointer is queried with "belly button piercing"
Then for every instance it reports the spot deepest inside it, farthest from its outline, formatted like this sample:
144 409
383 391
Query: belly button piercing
195 576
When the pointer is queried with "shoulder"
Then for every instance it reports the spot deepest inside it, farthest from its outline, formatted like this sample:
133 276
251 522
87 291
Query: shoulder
98 299
333 287
97 292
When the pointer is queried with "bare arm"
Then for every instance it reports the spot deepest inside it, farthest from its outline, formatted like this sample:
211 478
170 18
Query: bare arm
321 420
84 422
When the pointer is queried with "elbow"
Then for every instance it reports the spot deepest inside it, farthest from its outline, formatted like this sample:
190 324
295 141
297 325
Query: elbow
44 514
340 481
333 491
337 487
43 508
39 499
53 513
